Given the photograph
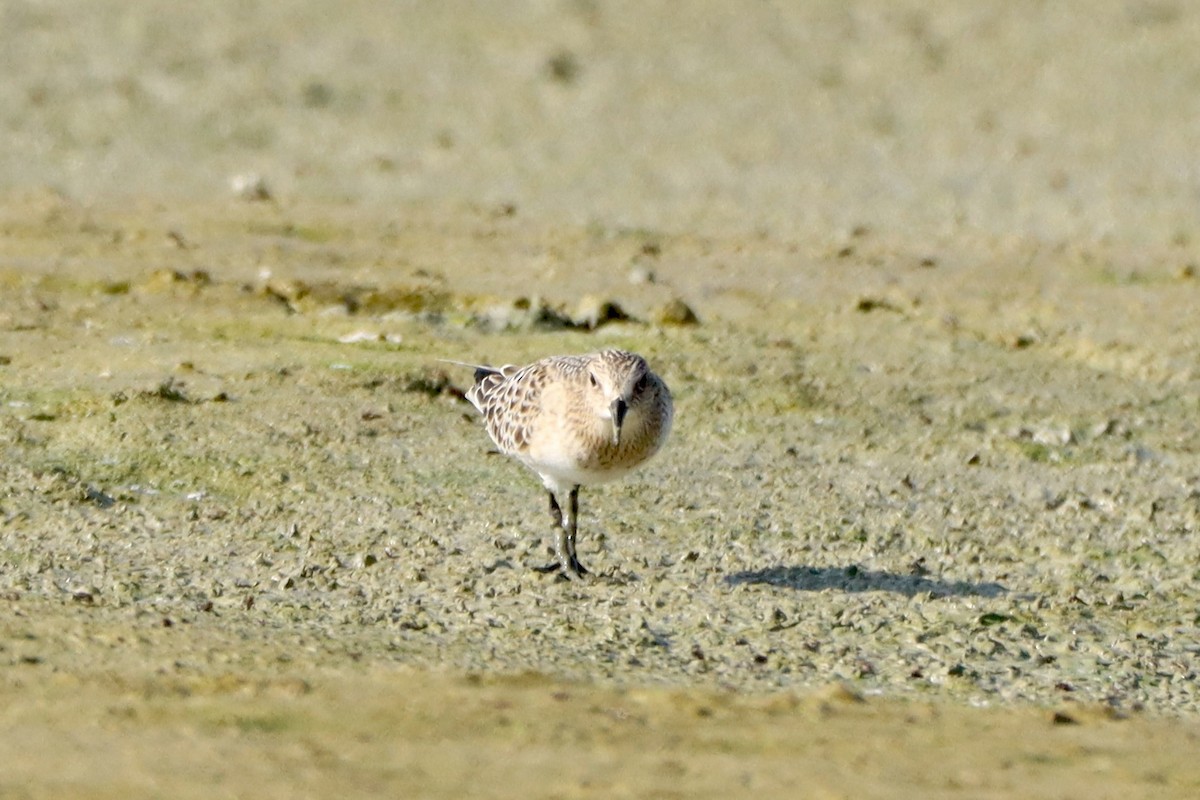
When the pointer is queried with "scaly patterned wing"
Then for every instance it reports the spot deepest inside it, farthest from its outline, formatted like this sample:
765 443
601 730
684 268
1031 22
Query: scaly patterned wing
508 398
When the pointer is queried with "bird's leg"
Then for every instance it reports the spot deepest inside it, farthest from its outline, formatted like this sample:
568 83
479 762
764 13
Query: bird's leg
570 527
560 523
566 525
556 514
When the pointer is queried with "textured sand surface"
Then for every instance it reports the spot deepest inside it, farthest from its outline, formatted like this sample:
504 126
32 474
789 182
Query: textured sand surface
927 524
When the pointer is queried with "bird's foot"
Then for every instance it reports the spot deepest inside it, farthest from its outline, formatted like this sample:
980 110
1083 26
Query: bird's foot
573 570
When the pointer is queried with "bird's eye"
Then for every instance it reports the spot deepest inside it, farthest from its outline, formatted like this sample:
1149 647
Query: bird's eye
592 378
640 386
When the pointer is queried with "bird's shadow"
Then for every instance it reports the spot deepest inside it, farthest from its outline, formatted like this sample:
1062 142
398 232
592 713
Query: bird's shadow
855 579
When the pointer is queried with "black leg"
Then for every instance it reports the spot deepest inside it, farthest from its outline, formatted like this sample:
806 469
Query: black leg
556 516
572 527
566 526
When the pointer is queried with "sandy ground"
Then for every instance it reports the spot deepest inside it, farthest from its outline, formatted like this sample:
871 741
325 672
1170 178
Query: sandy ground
927 523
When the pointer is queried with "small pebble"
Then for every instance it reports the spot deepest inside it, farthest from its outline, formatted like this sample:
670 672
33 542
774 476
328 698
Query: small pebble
250 186
675 312
593 311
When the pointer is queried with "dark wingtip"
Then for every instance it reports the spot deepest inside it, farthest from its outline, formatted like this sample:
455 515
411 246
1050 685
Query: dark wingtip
483 372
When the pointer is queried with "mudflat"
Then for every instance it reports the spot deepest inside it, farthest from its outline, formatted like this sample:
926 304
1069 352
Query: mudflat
923 284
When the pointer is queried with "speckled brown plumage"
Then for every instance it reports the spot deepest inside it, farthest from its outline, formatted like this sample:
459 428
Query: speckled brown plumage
575 420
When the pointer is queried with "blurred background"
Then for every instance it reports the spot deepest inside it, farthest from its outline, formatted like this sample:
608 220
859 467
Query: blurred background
1043 119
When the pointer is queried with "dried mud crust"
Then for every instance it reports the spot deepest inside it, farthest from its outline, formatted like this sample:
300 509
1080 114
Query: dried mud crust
922 279
921 482
895 477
